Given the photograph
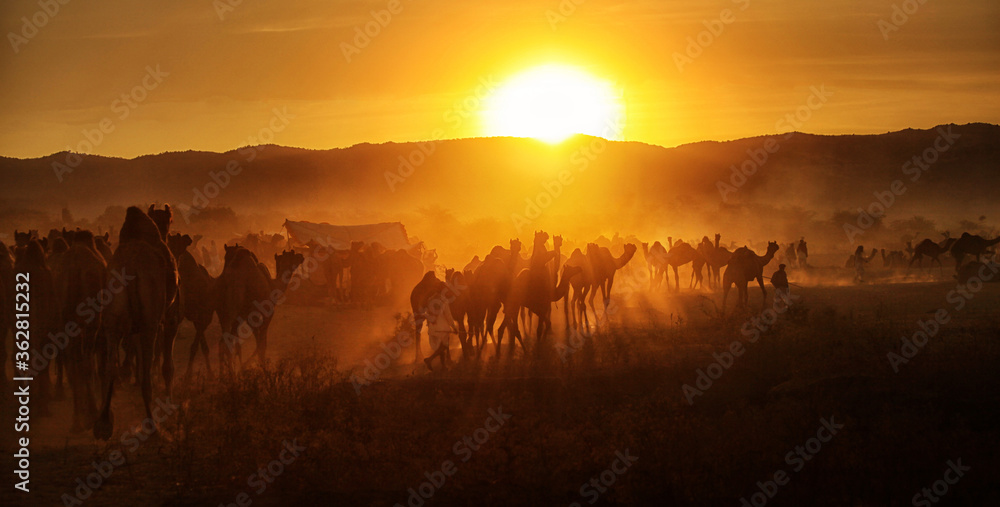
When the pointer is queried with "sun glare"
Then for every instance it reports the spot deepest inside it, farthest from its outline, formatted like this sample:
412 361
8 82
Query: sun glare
554 102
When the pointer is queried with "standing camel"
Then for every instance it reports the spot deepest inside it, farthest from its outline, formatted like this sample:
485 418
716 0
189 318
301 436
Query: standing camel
83 276
247 295
970 245
656 261
680 254
490 284
745 266
604 266
928 248
137 313
521 296
197 295
716 258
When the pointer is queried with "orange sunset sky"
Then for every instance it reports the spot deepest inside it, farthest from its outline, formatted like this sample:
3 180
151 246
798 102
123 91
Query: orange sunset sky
226 66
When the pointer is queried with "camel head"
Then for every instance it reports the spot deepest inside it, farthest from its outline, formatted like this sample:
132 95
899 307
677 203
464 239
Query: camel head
178 243
515 246
540 238
163 218
287 262
21 238
557 241
772 247
230 252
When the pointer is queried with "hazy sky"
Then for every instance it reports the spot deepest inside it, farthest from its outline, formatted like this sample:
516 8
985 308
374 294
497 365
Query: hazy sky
225 70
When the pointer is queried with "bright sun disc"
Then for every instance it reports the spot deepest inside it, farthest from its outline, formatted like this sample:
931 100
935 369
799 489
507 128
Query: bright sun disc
553 102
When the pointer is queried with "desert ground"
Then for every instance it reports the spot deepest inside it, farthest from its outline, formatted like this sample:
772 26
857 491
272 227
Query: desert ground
570 408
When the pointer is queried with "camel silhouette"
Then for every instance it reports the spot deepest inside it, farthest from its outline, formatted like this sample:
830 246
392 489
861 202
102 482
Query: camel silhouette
745 266
82 274
681 254
716 257
44 309
604 265
928 248
7 296
894 259
522 295
581 283
973 245
138 312
490 284
197 296
656 261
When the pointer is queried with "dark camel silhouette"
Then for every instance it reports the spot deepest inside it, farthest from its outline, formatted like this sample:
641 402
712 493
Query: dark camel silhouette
680 254
716 257
522 295
656 262
137 313
489 287
928 248
745 266
6 306
894 259
44 311
972 245
604 265
197 295
82 276
245 289
581 282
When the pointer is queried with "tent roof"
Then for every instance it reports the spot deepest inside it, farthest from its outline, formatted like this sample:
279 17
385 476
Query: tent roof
391 235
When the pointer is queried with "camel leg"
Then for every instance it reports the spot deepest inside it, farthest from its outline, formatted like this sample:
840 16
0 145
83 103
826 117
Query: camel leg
677 280
145 359
105 423
763 302
418 324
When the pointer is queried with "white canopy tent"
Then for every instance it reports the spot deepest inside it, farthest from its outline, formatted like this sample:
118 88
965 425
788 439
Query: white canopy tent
391 235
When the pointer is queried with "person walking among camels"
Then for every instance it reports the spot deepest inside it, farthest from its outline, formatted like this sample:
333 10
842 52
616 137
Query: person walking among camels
859 263
440 327
779 280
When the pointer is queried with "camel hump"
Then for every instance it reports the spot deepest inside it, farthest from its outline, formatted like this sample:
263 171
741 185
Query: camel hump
139 226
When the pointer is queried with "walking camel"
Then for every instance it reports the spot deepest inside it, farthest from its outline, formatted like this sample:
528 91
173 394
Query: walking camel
745 266
137 313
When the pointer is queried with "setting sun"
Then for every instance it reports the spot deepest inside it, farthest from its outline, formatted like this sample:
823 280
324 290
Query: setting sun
553 102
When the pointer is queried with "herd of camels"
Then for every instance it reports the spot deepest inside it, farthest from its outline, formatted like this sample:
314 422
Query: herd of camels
92 300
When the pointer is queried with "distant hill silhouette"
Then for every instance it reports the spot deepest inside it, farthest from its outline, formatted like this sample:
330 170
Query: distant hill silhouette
626 186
